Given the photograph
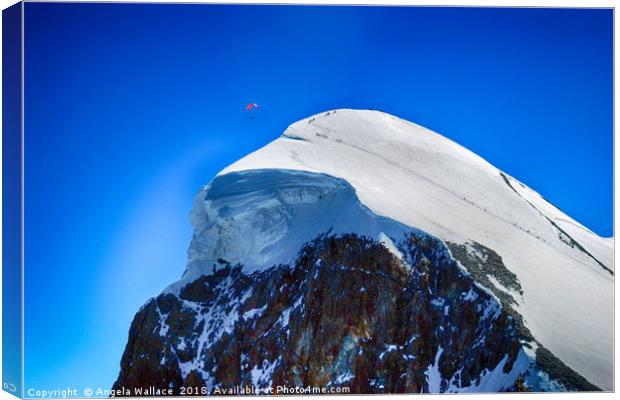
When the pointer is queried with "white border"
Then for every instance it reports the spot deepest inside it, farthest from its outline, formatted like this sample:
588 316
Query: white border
480 3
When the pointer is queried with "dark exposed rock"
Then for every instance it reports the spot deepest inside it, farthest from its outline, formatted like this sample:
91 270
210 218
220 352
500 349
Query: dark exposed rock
484 264
349 313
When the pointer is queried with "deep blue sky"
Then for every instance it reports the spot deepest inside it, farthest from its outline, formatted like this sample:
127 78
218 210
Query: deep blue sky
131 108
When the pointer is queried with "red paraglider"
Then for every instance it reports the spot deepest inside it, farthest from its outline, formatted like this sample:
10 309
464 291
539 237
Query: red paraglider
251 106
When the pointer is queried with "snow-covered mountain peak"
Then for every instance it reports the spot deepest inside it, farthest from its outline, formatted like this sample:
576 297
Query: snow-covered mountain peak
370 149
409 174
360 249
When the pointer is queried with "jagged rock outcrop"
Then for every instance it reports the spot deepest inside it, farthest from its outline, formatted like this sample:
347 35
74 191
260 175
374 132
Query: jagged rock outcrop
348 313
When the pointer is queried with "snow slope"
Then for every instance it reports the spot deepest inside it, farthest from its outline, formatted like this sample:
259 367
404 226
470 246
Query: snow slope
410 174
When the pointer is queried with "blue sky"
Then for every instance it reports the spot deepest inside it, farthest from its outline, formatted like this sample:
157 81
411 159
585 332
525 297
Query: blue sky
130 109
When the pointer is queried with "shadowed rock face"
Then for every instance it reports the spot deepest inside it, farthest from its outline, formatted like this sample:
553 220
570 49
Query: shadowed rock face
348 313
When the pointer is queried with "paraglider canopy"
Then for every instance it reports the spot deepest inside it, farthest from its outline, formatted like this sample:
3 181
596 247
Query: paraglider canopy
251 106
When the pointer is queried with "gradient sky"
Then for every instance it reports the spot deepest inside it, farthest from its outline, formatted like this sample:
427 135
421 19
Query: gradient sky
130 109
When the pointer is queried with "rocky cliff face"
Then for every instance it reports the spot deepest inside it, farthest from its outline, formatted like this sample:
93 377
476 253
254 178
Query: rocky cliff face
349 313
